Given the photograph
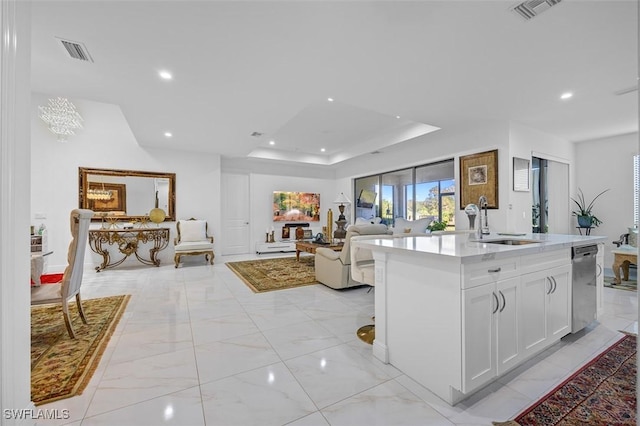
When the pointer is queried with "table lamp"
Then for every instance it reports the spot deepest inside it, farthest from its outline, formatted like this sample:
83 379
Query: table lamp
340 232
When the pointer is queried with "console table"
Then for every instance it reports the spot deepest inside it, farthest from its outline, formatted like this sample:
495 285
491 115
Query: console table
128 242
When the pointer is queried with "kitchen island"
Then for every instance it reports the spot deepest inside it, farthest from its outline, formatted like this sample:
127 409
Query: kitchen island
454 312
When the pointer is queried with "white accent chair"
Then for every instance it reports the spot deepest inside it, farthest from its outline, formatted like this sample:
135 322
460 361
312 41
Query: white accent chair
193 240
72 278
333 269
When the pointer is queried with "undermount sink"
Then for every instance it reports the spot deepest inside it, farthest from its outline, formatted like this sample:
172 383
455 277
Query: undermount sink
510 242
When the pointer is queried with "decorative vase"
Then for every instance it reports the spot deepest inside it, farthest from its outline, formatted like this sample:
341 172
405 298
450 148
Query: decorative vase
584 221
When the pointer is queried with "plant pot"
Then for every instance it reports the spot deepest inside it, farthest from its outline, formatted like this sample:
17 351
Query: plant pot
585 221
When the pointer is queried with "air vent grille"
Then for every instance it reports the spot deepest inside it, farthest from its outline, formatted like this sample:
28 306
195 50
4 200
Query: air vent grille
76 50
532 8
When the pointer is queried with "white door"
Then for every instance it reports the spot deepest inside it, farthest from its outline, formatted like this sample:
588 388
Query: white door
235 214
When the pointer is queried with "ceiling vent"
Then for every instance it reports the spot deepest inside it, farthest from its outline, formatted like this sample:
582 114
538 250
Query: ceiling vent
532 8
76 50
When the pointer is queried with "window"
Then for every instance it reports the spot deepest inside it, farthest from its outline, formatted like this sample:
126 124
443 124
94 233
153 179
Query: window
413 193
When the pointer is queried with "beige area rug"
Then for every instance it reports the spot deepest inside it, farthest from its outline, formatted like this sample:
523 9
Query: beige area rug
61 367
275 274
631 285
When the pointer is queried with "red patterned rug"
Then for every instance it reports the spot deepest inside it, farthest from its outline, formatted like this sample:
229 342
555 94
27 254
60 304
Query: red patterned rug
603 392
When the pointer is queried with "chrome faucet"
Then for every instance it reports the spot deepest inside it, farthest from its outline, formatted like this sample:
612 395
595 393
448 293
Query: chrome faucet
483 228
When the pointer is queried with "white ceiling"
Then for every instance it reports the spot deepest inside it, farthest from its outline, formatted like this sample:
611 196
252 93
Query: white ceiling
241 67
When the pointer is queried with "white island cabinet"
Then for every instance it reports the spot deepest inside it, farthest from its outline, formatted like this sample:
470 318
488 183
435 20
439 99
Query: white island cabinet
454 312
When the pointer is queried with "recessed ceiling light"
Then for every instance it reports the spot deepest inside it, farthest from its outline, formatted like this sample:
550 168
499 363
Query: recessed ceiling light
165 75
168 134
566 95
397 116
330 99
322 150
272 142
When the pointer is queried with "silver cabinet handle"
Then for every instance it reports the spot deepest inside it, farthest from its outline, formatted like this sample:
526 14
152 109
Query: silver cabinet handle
495 270
599 270
555 284
497 303
550 285
504 301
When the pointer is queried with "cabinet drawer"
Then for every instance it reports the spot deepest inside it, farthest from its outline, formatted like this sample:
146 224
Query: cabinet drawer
542 261
476 274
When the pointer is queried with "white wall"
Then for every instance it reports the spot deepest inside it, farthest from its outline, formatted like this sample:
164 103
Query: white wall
523 141
15 30
608 164
438 146
106 142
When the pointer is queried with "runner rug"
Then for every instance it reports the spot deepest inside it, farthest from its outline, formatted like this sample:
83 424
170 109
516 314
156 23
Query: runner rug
603 392
275 274
61 367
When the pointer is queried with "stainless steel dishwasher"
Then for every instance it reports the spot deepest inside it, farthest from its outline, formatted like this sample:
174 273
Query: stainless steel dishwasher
583 286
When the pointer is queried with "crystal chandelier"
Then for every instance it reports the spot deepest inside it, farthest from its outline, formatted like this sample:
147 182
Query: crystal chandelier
99 194
61 116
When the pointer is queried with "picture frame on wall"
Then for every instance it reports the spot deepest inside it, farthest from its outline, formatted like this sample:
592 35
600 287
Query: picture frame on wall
521 173
479 176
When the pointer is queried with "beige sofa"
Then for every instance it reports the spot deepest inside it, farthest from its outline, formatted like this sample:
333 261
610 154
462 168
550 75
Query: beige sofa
333 269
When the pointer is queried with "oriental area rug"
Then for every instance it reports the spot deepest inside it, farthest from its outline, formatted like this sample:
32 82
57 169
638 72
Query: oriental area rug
603 392
275 274
61 367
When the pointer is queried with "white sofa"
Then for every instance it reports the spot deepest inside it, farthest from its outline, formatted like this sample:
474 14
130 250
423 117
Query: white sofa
333 269
404 226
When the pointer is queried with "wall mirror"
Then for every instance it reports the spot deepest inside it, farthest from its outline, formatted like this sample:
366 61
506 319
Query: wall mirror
126 194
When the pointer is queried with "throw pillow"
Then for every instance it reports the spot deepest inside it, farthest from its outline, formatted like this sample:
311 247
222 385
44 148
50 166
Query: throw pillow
370 221
193 230
404 226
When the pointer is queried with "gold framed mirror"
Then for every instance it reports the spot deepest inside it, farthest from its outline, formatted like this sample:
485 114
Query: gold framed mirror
126 194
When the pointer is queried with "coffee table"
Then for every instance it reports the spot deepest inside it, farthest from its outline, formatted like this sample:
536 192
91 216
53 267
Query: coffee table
309 247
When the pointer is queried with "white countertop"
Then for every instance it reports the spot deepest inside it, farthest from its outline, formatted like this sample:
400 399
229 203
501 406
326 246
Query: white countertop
469 248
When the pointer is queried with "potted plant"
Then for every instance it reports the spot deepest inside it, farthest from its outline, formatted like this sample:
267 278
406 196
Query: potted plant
586 219
437 226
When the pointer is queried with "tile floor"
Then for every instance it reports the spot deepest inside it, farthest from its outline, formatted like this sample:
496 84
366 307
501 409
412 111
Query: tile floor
197 347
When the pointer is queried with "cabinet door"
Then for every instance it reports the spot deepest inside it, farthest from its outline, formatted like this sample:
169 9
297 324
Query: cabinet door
509 341
600 280
559 299
479 305
535 287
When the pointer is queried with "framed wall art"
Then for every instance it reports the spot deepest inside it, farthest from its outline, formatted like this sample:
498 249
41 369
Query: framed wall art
479 176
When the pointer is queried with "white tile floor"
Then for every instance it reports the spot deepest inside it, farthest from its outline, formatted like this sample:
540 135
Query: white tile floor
197 347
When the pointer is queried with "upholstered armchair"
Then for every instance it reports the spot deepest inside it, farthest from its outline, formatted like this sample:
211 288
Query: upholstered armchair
193 240
72 278
333 269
